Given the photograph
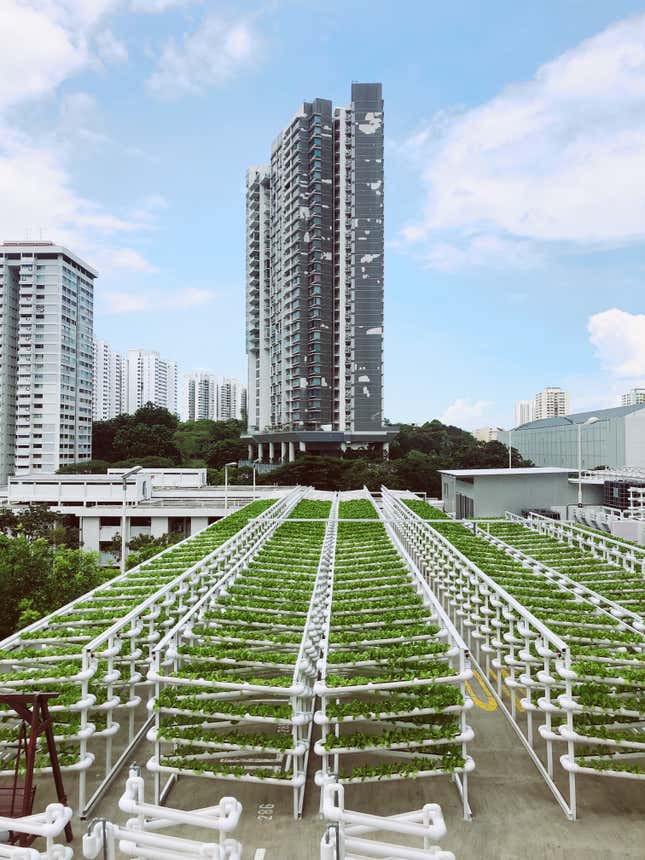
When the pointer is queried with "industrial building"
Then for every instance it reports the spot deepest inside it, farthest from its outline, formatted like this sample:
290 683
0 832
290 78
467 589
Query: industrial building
474 493
615 440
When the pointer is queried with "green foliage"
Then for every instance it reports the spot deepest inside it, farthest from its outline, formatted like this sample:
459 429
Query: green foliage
37 521
36 578
145 546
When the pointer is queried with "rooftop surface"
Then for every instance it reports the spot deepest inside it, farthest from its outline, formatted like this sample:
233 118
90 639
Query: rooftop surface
581 417
509 473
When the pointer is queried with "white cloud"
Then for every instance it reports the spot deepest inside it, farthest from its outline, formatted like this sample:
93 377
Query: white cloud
559 158
208 57
117 302
466 413
128 258
38 52
619 339
482 250
110 49
158 6
46 42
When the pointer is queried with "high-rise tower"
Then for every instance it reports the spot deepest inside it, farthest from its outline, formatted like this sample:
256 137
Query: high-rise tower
314 291
46 357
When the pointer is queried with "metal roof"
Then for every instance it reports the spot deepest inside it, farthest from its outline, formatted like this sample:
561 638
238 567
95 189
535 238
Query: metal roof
581 417
487 473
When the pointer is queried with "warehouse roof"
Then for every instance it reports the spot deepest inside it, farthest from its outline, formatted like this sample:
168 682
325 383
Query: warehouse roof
581 417
488 473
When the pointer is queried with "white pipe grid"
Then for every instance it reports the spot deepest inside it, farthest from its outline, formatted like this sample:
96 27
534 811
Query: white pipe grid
526 539
108 675
251 702
563 674
140 837
49 825
620 571
344 840
629 556
389 702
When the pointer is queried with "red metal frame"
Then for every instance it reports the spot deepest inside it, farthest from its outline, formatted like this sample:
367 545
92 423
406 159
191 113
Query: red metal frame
33 710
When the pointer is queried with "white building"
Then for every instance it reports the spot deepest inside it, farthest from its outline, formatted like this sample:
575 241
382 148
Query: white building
217 398
110 382
151 380
487 434
633 397
550 402
523 412
46 357
157 501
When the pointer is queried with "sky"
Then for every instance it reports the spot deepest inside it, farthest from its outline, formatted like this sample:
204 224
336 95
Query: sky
514 177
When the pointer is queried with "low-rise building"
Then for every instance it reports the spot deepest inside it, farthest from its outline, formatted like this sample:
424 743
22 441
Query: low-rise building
152 502
475 493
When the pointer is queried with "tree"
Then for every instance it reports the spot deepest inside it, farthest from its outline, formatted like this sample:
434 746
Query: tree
145 546
226 451
36 578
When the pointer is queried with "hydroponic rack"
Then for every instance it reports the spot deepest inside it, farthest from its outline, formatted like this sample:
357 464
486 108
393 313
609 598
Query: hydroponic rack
564 653
393 668
234 678
95 652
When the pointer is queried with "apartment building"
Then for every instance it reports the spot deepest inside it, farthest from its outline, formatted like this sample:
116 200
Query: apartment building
314 296
46 357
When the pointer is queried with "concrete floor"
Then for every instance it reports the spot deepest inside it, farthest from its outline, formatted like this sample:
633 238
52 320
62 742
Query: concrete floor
514 814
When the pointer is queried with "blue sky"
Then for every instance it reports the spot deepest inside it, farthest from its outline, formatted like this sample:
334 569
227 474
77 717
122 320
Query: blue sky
515 177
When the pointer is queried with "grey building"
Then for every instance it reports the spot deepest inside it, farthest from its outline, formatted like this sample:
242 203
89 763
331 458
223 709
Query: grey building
472 493
616 439
314 294
46 357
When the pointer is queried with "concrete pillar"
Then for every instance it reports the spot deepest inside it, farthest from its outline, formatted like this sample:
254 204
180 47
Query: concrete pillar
90 529
197 524
302 447
250 449
283 452
261 452
271 452
386 450
158 526
292 451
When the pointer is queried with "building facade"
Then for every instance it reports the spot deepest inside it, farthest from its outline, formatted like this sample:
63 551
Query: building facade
314 296
151 380
487 434
217 398
46 358
549 403
523 412
110 396
616 440
633 397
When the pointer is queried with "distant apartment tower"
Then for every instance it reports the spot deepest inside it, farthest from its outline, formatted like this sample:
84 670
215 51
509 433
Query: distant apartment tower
206 395
110 382
633 397
46 357
314 295
523 412
487 434
151 380
550 403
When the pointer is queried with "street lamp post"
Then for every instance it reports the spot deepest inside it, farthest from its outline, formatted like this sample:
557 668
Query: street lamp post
124 543
226 465
255 462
